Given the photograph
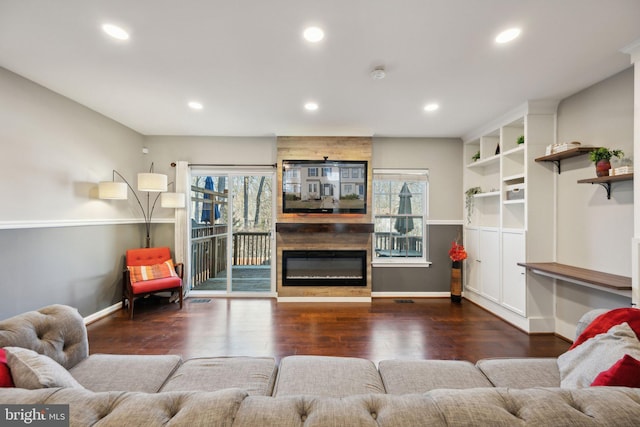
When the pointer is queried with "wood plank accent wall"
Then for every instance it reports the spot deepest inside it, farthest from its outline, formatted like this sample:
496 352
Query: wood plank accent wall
334 148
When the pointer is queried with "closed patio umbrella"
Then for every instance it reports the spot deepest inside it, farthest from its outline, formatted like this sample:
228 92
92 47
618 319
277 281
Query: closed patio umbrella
207 207
404 224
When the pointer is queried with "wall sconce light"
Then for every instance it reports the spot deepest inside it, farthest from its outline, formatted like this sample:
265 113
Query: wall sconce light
150 183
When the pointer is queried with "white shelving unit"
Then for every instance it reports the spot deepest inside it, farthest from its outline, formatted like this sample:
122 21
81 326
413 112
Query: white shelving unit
506 226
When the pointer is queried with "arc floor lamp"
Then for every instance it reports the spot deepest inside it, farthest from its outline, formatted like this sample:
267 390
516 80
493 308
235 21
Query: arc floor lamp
148 182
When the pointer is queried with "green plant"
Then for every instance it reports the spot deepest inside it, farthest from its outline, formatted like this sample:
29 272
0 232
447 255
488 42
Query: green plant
520 140
476 156
604 153
468 200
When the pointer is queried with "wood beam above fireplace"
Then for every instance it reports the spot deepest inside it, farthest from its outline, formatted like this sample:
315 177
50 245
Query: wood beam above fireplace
302 227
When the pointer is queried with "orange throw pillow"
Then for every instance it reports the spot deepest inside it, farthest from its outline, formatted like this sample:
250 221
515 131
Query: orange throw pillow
139 273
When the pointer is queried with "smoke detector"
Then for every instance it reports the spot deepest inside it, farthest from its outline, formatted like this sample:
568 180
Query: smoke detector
378 73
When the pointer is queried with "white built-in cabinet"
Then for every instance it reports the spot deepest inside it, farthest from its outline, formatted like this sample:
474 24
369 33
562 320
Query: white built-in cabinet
513 276
507 227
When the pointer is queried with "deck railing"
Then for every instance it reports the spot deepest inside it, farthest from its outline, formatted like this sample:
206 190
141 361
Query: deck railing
209 250
251 248
397 245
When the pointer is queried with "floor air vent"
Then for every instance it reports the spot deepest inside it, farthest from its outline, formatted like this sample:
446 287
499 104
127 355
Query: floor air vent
404 301
199 300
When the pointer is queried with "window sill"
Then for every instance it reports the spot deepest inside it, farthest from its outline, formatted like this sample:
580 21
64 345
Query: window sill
402 264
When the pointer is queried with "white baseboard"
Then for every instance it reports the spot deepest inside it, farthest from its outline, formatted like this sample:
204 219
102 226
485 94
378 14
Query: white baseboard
324 299
102 313
410 294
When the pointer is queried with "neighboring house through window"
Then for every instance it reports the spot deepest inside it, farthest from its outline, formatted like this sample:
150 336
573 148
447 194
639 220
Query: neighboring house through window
400 216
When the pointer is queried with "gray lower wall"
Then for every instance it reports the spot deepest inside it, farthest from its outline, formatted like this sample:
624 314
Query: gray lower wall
435 278
78 266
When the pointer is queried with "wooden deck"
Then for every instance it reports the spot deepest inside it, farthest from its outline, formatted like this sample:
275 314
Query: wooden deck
245 278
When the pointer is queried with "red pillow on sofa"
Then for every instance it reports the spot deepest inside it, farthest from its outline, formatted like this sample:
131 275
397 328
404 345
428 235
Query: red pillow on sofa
5 372
624 373
604 322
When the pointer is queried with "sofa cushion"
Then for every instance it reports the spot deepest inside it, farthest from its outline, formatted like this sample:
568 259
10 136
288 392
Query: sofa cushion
327 376
255 375
372 410
5 372
32 370
580 366
420 376
445 407
115 372
624 373
135 409
521 372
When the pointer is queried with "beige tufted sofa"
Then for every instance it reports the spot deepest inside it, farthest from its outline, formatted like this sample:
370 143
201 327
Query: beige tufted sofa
134 390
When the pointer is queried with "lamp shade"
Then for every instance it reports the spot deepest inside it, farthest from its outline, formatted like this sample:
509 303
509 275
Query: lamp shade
172 200
112 190
153 182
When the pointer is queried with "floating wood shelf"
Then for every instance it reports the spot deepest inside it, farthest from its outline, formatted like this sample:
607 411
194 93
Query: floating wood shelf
556 158
613 283
305 227
605 181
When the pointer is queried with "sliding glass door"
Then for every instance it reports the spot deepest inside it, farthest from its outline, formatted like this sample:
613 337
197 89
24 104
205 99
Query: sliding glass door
232 231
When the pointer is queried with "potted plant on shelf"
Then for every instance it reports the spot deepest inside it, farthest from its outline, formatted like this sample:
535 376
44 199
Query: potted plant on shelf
476 156
468 200
457 255
602 158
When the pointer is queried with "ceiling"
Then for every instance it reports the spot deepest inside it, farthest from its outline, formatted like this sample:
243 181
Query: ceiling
247 63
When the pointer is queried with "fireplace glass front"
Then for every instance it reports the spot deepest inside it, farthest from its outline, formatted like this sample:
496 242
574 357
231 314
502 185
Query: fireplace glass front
324 268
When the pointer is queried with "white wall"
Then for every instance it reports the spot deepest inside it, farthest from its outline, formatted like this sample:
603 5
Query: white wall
54 152
58 242
593 232
441 156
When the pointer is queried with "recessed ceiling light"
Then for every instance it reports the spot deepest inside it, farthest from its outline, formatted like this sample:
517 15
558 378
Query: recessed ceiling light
311 106
508 35
115 32
378 73
313 34
195 105
431 107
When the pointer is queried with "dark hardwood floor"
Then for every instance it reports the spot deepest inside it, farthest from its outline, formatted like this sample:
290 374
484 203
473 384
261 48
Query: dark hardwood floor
384 329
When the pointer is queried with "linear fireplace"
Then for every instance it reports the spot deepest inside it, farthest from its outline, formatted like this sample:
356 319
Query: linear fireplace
324 268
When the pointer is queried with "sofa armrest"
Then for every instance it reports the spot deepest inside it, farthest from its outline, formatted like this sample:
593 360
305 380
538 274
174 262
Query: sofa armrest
57 331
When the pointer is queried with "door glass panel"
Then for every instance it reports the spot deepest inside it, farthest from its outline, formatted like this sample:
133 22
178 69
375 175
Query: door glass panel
209 229
231 230
251 225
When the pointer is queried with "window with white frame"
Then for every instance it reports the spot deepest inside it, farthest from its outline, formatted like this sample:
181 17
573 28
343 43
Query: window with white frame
400 215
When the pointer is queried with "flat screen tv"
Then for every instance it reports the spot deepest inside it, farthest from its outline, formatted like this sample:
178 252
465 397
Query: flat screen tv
324 186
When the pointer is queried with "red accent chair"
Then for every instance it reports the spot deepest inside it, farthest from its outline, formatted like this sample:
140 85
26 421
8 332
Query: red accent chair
147 257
